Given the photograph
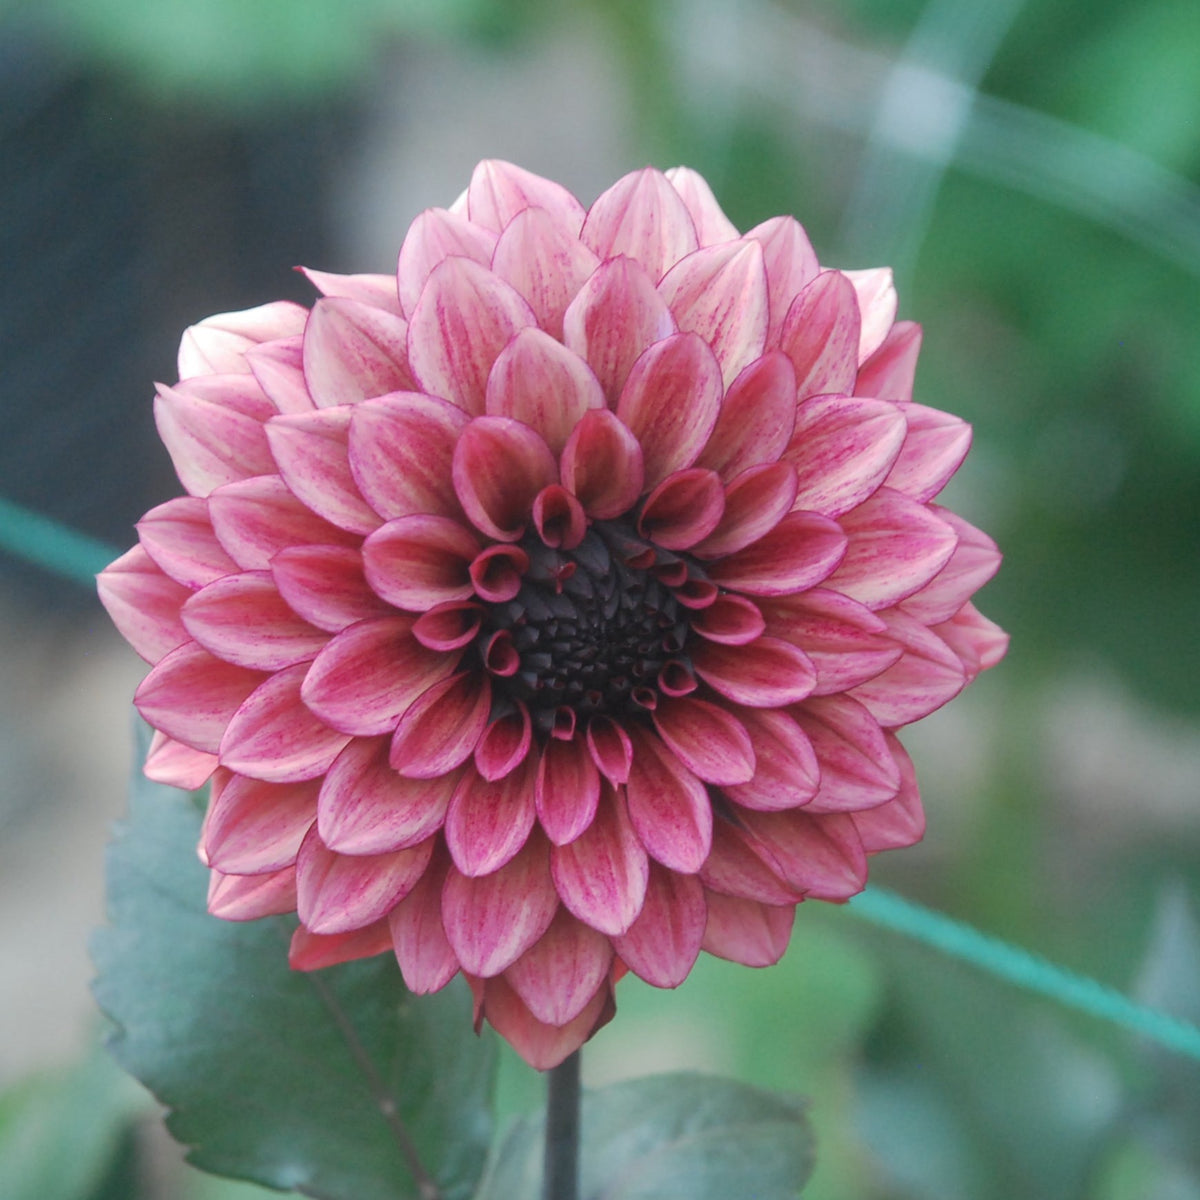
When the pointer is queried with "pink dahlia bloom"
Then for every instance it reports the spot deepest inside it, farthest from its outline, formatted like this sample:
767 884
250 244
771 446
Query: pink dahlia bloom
548 609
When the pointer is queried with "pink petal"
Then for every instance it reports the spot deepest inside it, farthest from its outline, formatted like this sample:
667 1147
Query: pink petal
567 789
755 502
641 216
895 547
326 586
712 225
143 603
179 537
844 640
822 856
379 290
791 265
820 335
213 430
254 827
217 345
843 449
426 959
191 696
401 447
978 642
706 739
721 294
925 677
505 746
610 748
312 951
491 920
670 402
353 351
366 677
857 769
669 806
616 315
662 945
489 820
499 466
797 554
465 317
974 561
877 304
538 381
558 976
786 771
756 419
765 673
364 807
559 518
900 821
245 621
449 626
542 1046
420 561
683 510
279 369
731 620
433 237
440 730
888 374
496 572
544 263
602 875
256 518
734 869
499 192
177 765
274 737
934 449
746 932
312 450
336 893
249 897
602 465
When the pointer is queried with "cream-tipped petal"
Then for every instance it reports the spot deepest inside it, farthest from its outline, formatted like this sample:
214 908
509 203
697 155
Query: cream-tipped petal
253 827
143 603
602 465
217 345
888 374
179 537
326 586
353 351
820 335
501 191
877 304
712 225
488 821
439 731
432 238
420 561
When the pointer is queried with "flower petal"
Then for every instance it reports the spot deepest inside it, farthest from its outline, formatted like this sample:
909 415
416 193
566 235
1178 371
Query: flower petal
336 893
683 510
974 561
143 603
822 856
179 537
217 345
173 763
558 976
279 369
602 465
712 225
755 502
877 304
641 216
610 748
706 739
669 806
933 450
567 789
464 318
421 561
364 807
433 237
888 374
488 821
747 932
353 351
791 264
670 402
857 770
253 827
313 951
499 466
978 642
662 945
500 191
820 335
379 290
248 897
602 875
900 821
273 736
765 673
427 961
326 586
616 315
538 381
800 552
366 677
440 730
843 448
491 920
786 771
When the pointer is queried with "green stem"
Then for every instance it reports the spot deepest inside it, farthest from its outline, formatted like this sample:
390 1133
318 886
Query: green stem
561 1178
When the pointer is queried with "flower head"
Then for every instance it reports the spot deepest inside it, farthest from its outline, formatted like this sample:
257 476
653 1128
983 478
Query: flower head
547 610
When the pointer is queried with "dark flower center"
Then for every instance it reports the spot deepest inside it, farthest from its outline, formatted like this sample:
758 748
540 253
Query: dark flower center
596 630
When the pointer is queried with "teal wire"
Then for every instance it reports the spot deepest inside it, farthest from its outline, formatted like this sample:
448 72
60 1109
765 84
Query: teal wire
1028 971
39 540
45 543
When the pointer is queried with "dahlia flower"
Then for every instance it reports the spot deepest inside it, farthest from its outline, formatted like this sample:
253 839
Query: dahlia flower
547 610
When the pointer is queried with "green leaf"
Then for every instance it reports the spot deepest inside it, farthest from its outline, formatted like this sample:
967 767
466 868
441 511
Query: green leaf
60 1132
684 1135
274 1076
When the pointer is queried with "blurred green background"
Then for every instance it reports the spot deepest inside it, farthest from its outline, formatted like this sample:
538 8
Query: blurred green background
1031 170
